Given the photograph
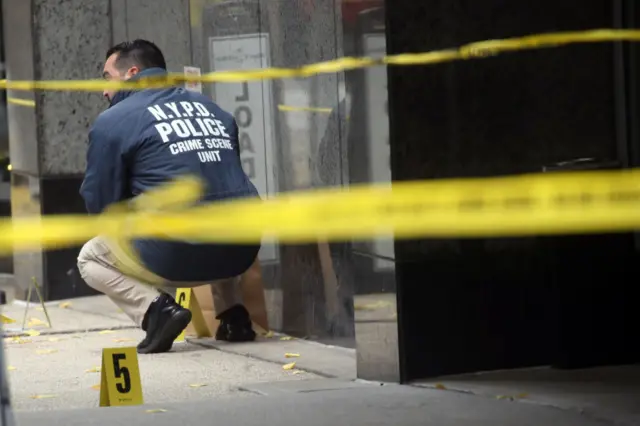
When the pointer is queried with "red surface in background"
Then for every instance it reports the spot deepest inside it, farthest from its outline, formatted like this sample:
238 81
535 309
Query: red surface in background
351 8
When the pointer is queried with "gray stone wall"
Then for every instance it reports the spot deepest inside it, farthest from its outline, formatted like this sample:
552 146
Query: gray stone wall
70 40
67 39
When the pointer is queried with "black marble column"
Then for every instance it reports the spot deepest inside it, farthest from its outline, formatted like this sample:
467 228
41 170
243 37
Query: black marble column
469 305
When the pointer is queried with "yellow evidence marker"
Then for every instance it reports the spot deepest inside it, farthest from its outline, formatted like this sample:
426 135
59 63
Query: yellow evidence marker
188 300
120 378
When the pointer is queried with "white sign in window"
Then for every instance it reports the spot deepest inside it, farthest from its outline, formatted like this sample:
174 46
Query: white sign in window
251 103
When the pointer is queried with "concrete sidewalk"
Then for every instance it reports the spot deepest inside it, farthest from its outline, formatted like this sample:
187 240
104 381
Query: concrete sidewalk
57 367
62 372
93 313
53 377
366 405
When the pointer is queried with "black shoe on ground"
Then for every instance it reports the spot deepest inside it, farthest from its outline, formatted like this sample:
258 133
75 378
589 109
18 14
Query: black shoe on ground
235 325
163 322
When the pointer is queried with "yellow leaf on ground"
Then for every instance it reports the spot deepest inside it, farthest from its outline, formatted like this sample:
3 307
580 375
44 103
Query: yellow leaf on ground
46 351
64 305
512 397
53 339
156 410
38 324
32 333
42 396
289 366
290 355
269 335
11 368
36 321
106 332
197 385
286 338
95 387
93 370
7 320
440 386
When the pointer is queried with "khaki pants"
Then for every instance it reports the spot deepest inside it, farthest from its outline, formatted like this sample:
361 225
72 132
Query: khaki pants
108 268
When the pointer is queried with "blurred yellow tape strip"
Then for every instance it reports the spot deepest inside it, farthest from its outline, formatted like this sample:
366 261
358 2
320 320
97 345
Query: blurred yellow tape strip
538 204
480 49
21 102
293 108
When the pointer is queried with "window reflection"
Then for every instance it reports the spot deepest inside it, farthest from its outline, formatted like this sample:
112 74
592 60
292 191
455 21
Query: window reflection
327 130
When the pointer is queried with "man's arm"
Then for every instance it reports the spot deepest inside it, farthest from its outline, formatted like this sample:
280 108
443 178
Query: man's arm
105 175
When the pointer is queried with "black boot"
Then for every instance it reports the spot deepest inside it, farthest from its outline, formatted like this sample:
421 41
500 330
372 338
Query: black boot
235 325
163 322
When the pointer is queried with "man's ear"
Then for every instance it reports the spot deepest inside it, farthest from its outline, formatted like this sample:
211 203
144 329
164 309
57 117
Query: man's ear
131 72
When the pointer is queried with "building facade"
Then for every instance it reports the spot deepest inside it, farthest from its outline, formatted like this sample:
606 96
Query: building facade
412 309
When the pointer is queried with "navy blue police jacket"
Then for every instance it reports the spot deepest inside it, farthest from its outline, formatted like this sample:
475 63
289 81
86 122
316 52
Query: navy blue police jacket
148 137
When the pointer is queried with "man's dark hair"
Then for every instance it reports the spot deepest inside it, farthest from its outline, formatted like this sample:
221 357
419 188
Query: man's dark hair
139 53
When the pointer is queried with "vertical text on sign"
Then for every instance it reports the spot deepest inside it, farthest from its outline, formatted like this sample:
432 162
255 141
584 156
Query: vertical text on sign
252 105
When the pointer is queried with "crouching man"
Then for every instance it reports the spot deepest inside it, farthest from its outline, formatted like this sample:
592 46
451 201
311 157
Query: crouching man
144 139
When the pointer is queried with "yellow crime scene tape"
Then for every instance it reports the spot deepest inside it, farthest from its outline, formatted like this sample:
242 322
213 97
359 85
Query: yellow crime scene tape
294 108
523 205
476 50
554 203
